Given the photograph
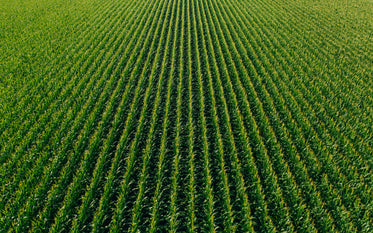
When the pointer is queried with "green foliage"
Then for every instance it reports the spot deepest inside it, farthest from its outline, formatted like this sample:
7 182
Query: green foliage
186 116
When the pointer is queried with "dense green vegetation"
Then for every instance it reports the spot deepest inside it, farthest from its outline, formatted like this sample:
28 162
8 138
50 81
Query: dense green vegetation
186 115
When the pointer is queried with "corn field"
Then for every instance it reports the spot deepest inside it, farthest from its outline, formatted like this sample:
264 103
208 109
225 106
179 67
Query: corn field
186 116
